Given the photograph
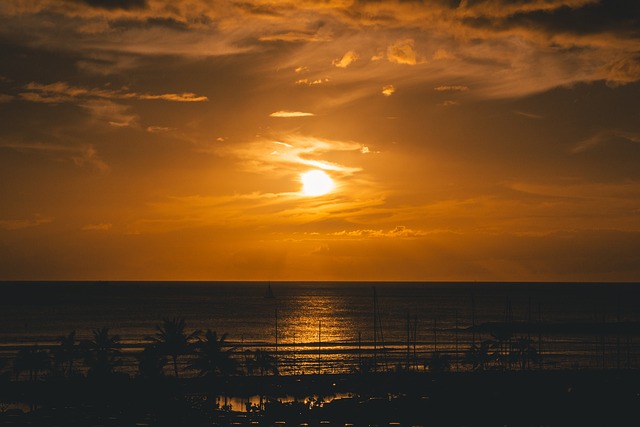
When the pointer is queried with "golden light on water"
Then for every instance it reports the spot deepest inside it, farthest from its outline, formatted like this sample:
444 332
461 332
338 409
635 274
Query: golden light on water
316 183
316 318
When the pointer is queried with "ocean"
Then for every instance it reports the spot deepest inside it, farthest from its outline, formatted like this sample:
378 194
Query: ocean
334 326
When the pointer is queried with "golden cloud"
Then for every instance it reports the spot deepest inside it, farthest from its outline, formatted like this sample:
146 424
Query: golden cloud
402 52
398 231
388 90
62 92
291 154
346 60
309 82
454 88
289 114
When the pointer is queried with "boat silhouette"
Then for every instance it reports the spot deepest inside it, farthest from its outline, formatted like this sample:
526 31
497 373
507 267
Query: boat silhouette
269 293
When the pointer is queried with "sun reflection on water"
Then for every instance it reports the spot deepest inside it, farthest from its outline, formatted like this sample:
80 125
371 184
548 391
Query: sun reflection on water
315 318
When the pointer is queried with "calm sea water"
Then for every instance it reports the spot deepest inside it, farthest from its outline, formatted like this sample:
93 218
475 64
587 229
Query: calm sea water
331 324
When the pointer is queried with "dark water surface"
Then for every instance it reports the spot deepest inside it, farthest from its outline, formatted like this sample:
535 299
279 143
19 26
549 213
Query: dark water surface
332 323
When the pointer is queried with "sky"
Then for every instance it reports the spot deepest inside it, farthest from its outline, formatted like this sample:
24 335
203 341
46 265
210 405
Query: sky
463 140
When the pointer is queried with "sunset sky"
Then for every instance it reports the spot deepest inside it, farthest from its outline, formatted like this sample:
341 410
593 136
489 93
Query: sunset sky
459 140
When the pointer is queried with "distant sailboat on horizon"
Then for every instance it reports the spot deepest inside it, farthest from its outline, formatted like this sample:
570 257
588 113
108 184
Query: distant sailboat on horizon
269 294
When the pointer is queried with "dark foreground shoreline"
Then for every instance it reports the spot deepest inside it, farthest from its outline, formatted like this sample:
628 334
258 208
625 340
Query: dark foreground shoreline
527 398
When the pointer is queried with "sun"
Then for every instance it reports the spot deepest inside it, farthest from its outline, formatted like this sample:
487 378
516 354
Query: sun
316 183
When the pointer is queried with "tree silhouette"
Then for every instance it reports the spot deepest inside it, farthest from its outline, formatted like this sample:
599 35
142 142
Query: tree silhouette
66 353
502 338
212 357
4 376
151 363
481 357
262 362
523 352
172 340
32 360
102 353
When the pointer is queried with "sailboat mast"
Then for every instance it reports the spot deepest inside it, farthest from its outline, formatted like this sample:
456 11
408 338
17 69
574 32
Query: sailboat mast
375 330
457 362
319 344
408 342
415 339
473 320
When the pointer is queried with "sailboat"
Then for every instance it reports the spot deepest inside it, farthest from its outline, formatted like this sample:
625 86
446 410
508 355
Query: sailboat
269 294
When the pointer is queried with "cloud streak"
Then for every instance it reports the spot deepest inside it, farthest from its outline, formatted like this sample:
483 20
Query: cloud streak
81 156
116 115
289 114
19 224
288 154
603 137
451 88
399 231
64 92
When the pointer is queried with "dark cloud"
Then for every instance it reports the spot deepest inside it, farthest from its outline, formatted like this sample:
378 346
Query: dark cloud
617 16
168 23
253 9
623 71
116 4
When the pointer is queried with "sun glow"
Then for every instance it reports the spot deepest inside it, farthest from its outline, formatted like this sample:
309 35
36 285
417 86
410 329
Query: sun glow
316 183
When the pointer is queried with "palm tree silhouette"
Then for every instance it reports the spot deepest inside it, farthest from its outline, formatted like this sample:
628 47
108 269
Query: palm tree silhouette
263 362
32 360
4 376
523 352
481 357
212 356
213 359
66 353
172 339
102 353
502 338
151 363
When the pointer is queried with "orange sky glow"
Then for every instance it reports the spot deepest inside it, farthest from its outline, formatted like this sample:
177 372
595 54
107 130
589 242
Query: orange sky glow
449 140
